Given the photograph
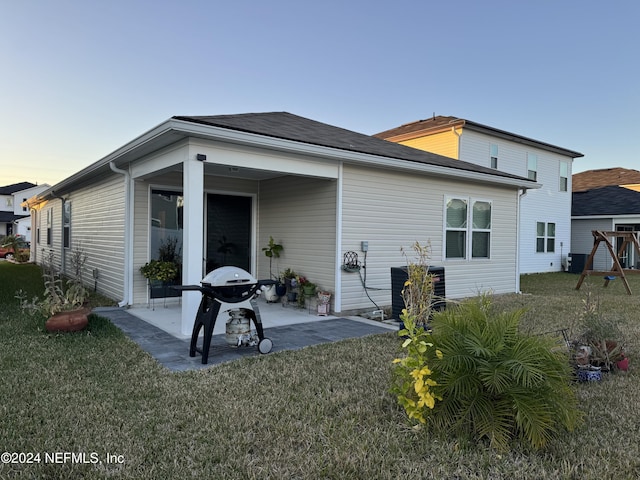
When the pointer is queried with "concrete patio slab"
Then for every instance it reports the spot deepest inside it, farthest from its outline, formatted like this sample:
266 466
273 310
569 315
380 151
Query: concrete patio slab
172 351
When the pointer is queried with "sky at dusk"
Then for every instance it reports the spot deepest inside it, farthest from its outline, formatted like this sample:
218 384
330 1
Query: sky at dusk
80 78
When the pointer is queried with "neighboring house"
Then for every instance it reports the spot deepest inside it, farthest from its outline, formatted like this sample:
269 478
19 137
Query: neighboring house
14 216
545 214
222 185
608 200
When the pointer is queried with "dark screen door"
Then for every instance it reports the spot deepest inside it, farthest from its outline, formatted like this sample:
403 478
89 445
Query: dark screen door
228 232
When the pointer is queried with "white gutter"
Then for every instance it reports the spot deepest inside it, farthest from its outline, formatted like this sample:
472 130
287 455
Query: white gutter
185 128
128 240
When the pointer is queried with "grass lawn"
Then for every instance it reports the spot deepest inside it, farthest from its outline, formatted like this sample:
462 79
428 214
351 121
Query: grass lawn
320 412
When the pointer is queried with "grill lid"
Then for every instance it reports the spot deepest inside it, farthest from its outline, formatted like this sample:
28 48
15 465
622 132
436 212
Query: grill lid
228 277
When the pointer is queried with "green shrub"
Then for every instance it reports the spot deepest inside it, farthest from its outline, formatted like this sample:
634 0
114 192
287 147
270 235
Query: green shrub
495 382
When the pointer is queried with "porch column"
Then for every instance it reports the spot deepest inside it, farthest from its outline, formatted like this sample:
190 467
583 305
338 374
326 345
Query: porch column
193 233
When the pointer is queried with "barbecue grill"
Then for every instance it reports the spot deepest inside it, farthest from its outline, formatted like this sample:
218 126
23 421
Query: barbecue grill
232 290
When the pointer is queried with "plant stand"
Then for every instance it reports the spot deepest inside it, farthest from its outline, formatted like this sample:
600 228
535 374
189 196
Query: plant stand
164 290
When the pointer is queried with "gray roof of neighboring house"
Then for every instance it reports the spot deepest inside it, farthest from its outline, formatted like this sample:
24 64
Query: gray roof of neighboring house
8 217
441 123
16 187
611 200
287 126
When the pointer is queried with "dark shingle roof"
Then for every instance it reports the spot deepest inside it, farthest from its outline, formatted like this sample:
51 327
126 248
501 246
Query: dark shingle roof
287 126
603 177
611 200
8 217
16 187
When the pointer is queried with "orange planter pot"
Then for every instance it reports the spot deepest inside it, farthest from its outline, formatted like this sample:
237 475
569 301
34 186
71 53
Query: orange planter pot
72 321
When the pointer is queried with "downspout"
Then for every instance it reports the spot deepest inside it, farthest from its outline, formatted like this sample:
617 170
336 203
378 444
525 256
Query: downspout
128 241
518 235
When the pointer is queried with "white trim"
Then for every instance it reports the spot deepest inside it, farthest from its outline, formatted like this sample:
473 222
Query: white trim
337 297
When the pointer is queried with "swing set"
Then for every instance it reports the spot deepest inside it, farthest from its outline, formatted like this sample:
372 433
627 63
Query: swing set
628 238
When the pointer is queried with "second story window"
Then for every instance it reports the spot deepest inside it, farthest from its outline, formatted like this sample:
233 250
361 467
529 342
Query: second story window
564 176
532 167
494 156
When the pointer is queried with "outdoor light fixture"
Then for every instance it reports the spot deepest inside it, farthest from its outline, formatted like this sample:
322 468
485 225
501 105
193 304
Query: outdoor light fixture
201 157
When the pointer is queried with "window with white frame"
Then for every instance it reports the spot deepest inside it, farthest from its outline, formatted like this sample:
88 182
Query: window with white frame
494 156
532 167
468 228
545 237
66 225
24 209
9 201
49 225
564 176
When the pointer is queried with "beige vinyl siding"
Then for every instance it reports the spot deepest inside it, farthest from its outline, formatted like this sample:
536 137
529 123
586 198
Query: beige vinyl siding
445 143
44 251
393 210
300 214
97 228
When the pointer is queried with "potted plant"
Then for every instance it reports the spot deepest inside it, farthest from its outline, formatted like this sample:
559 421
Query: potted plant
273 250
160 271
597 348
306 289
289 277
64 301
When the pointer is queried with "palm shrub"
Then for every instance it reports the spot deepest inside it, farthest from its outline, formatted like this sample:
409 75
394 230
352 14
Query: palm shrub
493 381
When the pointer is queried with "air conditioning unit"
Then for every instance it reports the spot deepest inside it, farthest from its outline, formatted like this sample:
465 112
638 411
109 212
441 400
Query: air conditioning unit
566 263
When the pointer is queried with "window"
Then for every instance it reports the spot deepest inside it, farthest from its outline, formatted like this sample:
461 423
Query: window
481 229
532 167
494 156
545 237
24 209
9 201
564 176
456 236
166 222
49 222
467 229
66 225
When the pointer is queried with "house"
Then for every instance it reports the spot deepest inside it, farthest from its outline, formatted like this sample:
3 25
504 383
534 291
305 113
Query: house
545 214
14 216
606 199
222 185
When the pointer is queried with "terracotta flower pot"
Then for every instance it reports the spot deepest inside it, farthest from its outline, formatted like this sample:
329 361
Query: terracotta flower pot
623 364
72 321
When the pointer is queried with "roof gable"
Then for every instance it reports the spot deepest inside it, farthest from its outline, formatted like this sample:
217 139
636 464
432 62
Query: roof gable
437 124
